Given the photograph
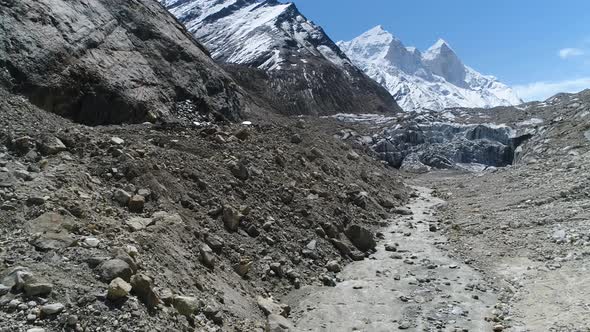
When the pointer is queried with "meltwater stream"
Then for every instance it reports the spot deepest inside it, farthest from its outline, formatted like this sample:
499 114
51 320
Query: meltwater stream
416 288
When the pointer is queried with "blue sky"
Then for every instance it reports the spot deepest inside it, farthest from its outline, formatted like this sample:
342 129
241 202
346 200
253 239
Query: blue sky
539 47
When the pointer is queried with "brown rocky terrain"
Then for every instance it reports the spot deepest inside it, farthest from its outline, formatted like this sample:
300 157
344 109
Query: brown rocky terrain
198 220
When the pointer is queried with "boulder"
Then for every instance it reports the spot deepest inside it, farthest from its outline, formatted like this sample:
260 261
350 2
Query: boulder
268 306
341 246
353 156
412 164
142 286
52 309
239 170
278 323
136 203
361 238
52 145
186 305
231 218
137 223
121 196
16 277
333 266
296 139
118 289
4 290
37 289
117 141
114 268
243 267
403 211
207 256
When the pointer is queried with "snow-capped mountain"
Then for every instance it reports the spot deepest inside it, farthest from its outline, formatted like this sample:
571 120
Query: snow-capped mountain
306 68
433 80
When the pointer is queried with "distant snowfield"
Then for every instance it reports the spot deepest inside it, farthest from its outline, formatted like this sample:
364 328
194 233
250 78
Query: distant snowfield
435 80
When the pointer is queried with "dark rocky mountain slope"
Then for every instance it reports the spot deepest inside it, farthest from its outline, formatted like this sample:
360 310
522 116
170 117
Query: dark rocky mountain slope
108 61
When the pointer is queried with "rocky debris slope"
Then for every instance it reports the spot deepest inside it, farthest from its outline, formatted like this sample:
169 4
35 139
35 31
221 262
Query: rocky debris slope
103 62
434 80
526 225
286 59
176 226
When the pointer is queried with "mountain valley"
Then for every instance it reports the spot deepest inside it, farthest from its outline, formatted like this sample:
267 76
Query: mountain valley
207 165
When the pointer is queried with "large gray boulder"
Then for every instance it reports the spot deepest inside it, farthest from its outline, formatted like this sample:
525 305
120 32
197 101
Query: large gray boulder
361 238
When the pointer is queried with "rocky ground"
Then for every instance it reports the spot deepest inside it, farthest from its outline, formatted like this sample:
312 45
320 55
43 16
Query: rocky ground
176 225
519 233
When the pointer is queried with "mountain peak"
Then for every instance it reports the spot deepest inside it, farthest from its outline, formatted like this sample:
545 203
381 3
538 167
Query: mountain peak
439 49
440 43
377 34
435 79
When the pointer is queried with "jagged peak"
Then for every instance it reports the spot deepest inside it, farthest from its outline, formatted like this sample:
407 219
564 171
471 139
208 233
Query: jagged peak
441 47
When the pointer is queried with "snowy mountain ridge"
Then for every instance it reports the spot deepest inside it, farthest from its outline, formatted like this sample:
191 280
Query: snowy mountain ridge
434 80
254 32
270 47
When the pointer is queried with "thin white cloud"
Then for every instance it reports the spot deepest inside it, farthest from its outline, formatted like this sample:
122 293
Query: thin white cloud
543 90
566 53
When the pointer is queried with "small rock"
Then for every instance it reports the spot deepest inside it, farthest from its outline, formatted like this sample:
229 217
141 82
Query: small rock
253 231
117 141
142 286
136 203
52 145
278 323
52 309
498 328
146 193
22 174
243 267
72 320
242 134
353 156
207 256
239 170
404 325
333 266
214 242
390 247
36 329
118 289
403 211
121 196
38 289
296 139
387 203
36 200
342 247
277 269
327 281
4 290
231 218
559 236
137 224
268 306
90 242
